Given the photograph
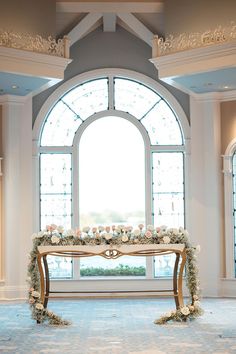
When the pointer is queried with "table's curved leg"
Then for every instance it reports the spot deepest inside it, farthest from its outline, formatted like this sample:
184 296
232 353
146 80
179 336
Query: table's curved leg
42 289
180 279
175 281
45 302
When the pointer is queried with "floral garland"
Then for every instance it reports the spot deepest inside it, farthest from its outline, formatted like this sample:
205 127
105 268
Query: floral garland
115 235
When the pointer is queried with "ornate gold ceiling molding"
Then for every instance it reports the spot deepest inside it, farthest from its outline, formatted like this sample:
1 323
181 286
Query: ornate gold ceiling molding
28 42
187 41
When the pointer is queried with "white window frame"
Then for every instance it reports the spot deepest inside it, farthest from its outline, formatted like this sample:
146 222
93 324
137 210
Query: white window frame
228 200
110 73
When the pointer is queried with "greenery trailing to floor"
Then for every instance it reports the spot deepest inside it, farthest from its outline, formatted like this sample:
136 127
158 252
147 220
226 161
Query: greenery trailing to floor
114 236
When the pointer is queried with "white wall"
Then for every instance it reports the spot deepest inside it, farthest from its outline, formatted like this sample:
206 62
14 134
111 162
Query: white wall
206 225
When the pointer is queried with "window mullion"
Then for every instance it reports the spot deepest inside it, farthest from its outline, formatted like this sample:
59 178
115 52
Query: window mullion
111 91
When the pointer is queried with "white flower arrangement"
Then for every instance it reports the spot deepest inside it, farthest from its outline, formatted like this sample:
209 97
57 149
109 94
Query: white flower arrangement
114 235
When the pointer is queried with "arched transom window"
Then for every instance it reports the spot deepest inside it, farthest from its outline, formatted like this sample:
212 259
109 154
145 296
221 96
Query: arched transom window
111 152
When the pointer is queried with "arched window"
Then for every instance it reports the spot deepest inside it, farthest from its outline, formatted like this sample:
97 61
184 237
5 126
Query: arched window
112 151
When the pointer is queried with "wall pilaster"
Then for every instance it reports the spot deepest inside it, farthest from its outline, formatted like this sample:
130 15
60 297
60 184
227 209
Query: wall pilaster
16 193
206 191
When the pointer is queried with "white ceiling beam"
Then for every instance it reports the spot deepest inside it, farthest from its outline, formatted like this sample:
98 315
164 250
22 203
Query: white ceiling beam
109 22
88 23
107 7
136 27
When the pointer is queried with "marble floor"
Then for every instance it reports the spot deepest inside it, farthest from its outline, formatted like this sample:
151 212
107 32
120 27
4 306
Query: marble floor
118 326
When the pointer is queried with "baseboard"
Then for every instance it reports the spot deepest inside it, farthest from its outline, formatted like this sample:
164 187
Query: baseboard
13 293
228 287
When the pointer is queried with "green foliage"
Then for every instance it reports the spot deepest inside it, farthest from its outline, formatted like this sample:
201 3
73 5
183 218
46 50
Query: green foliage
120 270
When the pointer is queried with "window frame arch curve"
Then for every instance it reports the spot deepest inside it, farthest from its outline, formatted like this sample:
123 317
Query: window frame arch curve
75 152
81 78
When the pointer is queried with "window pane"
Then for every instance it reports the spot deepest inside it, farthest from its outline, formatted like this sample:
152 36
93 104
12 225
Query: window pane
88 98
164 265
55 174
60 126
56 209
55 188
60 267
55 203
162 125
112 185
168 200
133 97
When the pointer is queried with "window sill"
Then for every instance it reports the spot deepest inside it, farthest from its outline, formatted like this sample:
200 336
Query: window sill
85 279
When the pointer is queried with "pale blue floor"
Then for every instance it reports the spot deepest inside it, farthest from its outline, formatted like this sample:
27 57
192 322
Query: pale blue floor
119 326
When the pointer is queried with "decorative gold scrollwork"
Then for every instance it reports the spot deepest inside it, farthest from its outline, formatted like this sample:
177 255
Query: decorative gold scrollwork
195 40
26 41
111 254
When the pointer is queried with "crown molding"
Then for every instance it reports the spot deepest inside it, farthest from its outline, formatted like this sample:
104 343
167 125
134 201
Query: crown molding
215 96
39 65
197 60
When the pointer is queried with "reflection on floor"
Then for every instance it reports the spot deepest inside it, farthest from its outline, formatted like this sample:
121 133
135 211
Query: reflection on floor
119 326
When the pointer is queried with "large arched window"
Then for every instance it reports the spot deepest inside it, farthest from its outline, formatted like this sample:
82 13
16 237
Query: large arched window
112 150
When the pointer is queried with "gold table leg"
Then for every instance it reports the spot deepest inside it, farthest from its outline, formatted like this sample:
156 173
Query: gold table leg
180 279
46 271
175 281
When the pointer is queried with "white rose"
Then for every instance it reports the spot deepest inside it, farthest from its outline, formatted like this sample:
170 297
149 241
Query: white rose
136 240
195 297
34 236
196 304
168 314
39 306
108 236
163 227
55 239
166 239
191 308
125 238
70 232
185 310
175 231
100 228
35 294
150 227
86 229
136 232
60 229
185 232
198 248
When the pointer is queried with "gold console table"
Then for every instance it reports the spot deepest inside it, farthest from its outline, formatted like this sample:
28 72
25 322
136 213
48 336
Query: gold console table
113 252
